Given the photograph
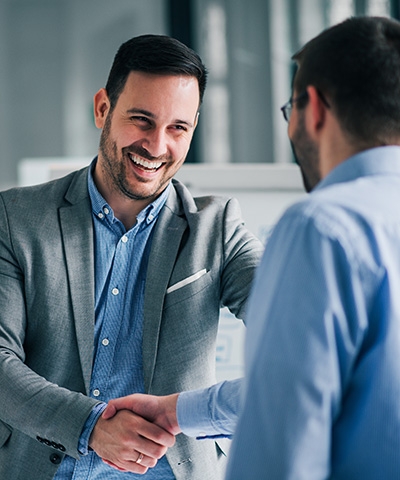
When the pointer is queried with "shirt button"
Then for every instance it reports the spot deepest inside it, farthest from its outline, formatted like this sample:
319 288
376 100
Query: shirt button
100 215
150 218
96 392
106 210
105 341
115 291
124 239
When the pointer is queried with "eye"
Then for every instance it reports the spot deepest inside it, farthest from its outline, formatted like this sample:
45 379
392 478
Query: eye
180 127
139 119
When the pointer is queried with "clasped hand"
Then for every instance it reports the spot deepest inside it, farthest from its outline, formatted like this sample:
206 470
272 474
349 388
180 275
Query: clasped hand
135 431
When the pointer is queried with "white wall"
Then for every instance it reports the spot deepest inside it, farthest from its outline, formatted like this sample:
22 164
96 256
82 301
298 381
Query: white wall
54 55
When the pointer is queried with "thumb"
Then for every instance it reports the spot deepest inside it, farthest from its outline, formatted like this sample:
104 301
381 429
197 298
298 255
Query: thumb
121 403
109 412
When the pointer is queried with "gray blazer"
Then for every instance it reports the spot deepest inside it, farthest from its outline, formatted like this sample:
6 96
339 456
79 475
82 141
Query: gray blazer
47 316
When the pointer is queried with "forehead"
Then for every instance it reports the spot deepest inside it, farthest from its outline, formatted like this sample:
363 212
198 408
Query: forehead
153 91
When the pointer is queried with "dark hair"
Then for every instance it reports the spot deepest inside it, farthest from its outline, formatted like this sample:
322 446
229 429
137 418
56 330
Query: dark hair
157 54
356 66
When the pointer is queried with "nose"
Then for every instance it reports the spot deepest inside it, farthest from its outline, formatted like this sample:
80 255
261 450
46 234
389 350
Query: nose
156 142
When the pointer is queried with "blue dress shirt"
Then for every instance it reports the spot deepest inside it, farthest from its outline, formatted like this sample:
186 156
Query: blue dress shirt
322 394
121 259
210 412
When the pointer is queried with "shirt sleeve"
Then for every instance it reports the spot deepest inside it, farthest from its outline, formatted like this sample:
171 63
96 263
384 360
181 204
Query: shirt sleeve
83 445
305 322
211 412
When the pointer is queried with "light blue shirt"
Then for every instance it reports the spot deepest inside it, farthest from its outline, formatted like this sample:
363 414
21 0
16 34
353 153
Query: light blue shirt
322 394
120 274
210 412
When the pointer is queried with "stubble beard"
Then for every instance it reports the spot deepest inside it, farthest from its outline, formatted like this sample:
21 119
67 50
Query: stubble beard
114 168
306 156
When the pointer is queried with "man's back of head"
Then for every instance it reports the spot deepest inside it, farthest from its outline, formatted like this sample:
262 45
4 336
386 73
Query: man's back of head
356 66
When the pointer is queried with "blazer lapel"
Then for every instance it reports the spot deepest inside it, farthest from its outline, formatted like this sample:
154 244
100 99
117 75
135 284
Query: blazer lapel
77 234
167 238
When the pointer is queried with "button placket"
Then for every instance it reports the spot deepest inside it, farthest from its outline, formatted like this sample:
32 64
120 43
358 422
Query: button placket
105 353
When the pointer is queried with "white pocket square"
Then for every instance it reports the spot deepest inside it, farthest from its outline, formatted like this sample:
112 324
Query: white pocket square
187 280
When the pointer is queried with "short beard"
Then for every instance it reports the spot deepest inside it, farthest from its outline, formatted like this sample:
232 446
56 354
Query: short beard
306 155
116 177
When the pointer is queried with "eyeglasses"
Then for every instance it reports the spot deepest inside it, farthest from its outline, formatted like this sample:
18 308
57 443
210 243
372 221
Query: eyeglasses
288 107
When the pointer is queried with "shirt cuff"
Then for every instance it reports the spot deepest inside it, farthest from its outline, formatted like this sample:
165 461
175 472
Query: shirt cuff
210 412
83 444
192 413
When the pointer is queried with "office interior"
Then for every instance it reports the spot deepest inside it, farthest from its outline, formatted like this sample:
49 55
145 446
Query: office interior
55 55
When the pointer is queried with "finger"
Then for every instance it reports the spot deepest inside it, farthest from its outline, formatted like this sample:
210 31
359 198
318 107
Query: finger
122 403
109 412
146 461
155 434
131 467
142 460
150 449
111 464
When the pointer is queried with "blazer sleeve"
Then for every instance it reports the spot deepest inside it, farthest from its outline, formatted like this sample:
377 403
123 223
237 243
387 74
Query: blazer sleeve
29 403
242 252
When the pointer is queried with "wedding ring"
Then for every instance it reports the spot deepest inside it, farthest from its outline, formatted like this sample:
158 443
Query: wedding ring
140 458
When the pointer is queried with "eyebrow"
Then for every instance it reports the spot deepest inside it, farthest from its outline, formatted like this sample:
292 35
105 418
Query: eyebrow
141 111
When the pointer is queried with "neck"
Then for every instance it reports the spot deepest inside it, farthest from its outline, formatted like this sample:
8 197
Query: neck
336 146
125 209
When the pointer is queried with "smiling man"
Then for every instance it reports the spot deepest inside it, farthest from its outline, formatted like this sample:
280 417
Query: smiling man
145 138
111 282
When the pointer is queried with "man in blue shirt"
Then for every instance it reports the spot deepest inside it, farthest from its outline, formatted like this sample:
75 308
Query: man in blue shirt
111 282
322 386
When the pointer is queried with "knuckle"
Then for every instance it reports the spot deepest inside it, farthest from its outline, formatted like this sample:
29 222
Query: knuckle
152 462
160 452
171 442
140 469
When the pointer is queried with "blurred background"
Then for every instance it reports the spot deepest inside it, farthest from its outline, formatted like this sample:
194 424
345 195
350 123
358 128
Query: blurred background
55 54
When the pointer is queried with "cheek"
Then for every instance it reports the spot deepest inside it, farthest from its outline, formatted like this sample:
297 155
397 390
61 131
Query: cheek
125 136
290 129
181 148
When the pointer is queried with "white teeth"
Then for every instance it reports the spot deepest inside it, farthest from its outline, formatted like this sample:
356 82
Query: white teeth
145 163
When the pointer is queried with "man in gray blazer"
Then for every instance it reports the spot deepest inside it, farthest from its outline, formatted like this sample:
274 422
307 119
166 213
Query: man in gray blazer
111 281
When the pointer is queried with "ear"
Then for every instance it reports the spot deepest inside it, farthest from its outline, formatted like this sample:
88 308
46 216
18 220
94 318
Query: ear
316 112
196 120
101 105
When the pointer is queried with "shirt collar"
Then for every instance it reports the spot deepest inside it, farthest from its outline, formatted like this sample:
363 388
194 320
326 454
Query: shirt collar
100 206
379 160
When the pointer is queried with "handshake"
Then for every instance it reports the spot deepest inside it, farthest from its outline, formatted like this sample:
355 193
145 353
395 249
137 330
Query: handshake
135 431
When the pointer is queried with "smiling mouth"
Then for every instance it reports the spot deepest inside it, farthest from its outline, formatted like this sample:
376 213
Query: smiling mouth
145 164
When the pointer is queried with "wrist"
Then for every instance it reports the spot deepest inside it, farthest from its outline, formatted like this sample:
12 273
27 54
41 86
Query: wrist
172 401
87 431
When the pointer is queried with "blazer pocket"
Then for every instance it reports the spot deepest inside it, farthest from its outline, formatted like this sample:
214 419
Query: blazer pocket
186 281
5 433
187 288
